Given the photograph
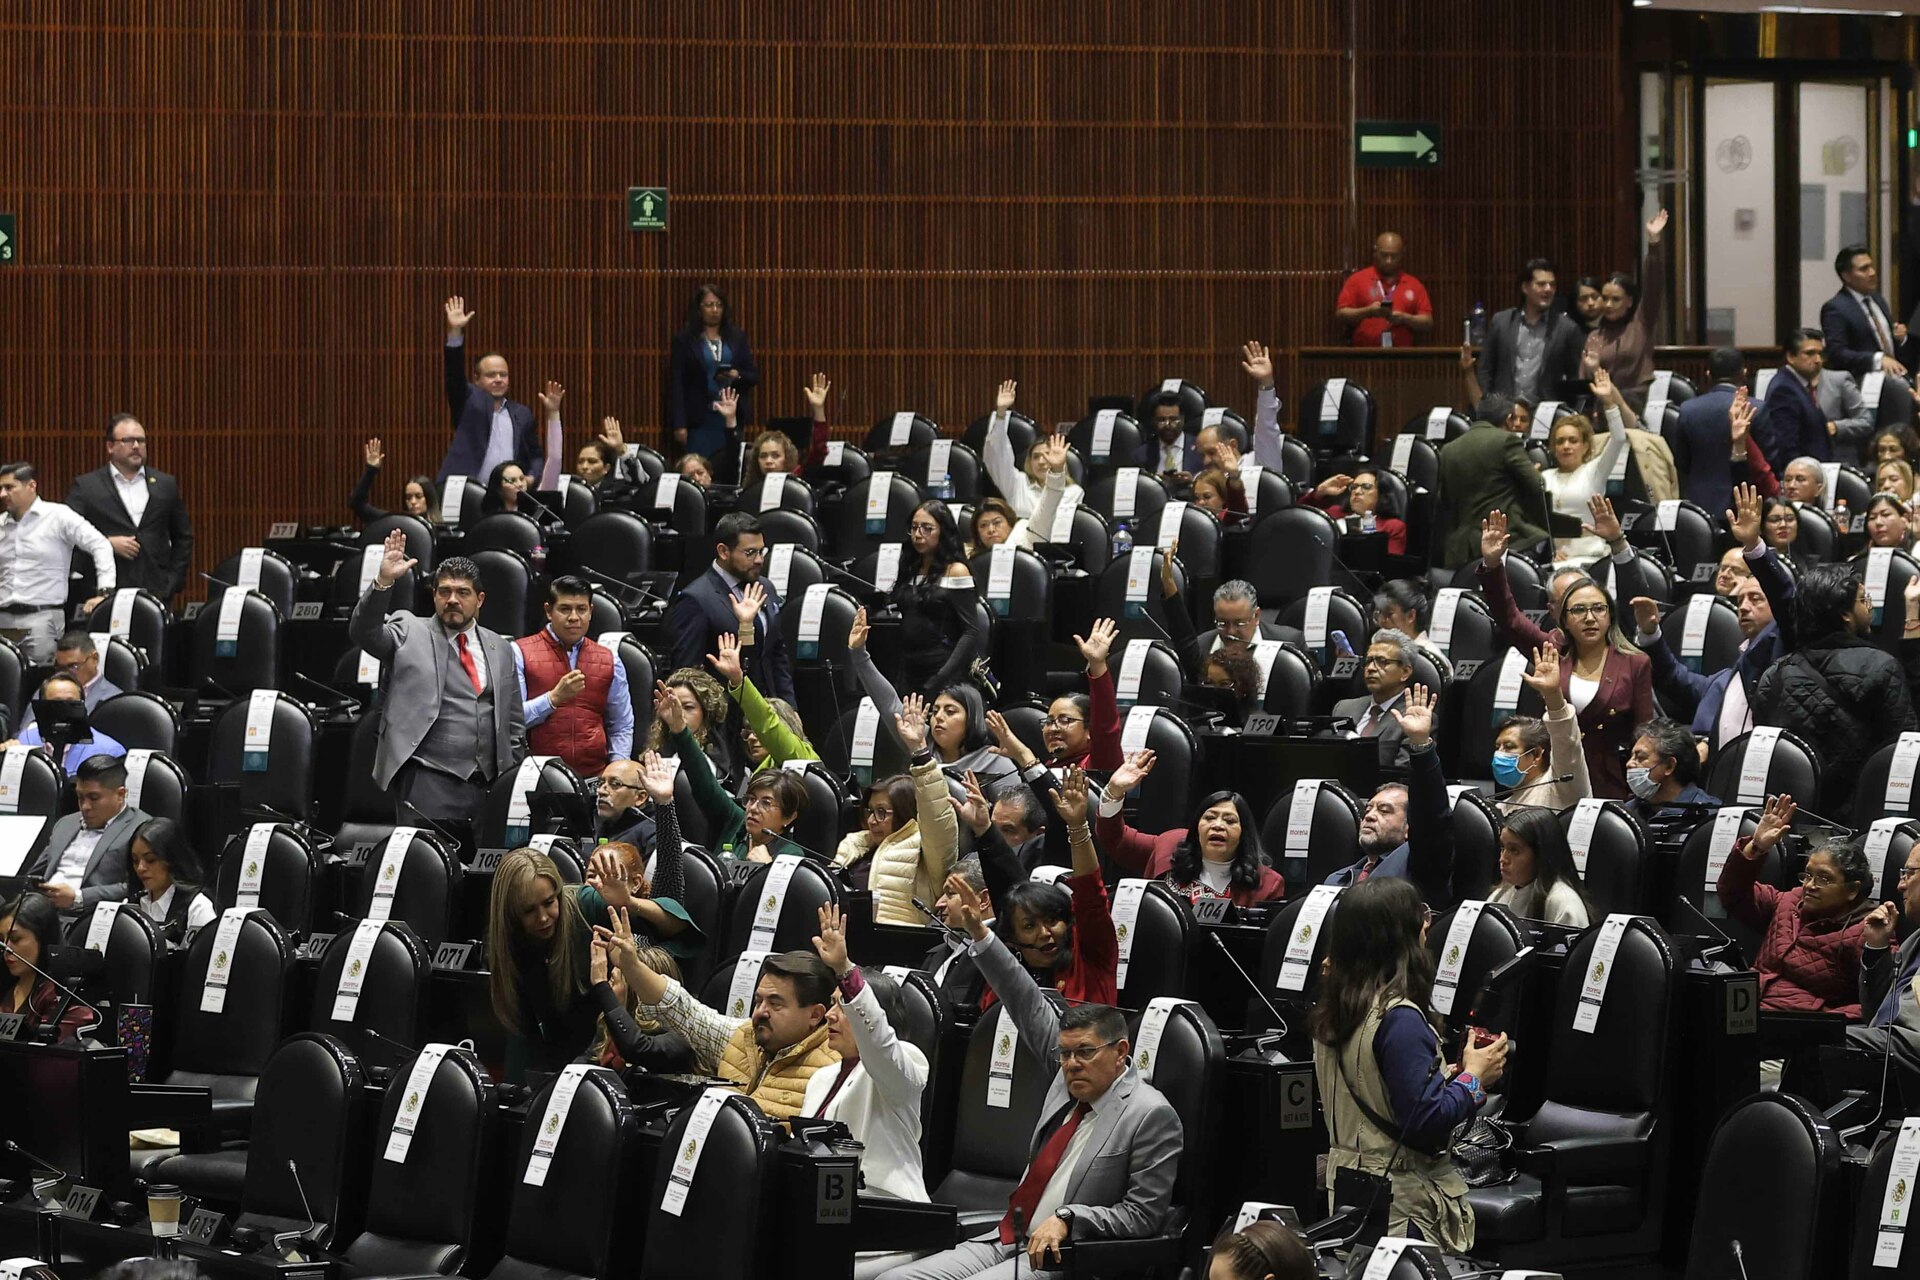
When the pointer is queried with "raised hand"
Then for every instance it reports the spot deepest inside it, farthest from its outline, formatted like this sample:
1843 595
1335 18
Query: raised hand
656 775
607 878
857 633
967 905
747 606
1605 524
1132 772
727 662
1417 720
1169 582
1332 485
376 452
1775 819
550 397
1544 679
1097 644
1646 614
1008 741
598 963
911 724
1603 388
974 809
1493 538
1257 363
1744 519
1053 452
1003 399
667 709
394 560
1655 225
1877 930
1072 799
816 393
458 317
831 941
1468 360
1913 602
728 405
610 432
1740 416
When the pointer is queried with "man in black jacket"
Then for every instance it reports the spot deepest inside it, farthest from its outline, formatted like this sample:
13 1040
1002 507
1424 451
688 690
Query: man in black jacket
1861 333
488 428
1531 351
713 604
139 511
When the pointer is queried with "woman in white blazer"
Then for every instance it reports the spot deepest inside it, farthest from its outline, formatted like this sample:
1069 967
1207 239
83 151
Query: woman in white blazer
877 1088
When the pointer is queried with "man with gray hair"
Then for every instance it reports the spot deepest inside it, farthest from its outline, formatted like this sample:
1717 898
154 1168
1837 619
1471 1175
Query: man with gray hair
1804 480
1387 671
1236 619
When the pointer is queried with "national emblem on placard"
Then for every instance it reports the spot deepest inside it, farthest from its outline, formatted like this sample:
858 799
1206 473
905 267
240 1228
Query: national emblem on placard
692 1146
353 970
553 1123
1599 970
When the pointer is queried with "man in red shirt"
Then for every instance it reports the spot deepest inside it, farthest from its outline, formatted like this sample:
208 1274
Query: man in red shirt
1383 305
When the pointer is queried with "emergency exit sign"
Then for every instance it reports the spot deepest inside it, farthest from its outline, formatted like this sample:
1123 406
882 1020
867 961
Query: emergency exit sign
646 208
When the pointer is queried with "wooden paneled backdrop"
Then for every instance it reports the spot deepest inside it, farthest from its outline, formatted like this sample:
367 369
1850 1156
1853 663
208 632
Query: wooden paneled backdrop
238 219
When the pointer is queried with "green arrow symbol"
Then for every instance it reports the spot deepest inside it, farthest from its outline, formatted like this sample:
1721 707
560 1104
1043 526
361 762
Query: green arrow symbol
1418 144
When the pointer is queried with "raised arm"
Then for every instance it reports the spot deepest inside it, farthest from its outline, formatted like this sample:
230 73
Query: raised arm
886 699
1129 850
1514 627
367 627
1653 278
1258 365
898 1070
1103 720
1040 523
939 827
458 388
1429 813
1002 467
1033 1014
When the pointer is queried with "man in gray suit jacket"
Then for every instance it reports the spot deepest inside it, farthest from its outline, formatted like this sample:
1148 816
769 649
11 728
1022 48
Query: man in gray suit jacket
85 859
453 720
1101 1162
1388 670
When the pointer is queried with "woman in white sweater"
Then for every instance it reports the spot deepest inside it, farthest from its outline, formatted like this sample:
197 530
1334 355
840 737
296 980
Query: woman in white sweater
1538 880
1580 470
995 521
1023 489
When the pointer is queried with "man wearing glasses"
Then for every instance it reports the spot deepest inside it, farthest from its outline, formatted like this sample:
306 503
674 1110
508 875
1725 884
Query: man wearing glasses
718 603
617 806
1387 671
1236 620
1887 976
75 654
1102 1160
139 510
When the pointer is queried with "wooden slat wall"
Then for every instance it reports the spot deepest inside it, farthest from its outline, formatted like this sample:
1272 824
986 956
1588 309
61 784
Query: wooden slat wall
239 218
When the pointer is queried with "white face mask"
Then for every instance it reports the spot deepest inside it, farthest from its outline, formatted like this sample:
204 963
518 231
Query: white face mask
1641 783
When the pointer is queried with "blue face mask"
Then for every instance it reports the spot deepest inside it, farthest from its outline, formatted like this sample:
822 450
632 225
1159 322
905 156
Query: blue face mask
1506 768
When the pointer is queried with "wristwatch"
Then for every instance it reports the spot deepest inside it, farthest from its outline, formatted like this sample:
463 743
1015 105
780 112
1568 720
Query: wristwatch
1065 1215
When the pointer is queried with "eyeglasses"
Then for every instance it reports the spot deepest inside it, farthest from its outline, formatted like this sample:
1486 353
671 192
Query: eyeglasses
884 815
1908 873
608 784
1814 880
1375 660
1080 1054
761 800
1426 914
1063 722
1363 486
1232 624
753 553
1588 610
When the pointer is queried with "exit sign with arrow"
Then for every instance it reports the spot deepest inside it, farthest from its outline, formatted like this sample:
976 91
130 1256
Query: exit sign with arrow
9 240
1393 144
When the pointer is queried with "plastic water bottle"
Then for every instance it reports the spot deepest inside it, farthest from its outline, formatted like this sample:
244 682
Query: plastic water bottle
1841 518
1369 523
726 852
1477 324
1122 540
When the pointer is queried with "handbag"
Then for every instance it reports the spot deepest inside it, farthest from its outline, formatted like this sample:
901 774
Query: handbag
1482 1149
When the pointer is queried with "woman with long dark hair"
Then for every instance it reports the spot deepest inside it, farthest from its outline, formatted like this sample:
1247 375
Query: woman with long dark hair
1630 311
1538 878
168 877
940 629
1392 1102
709 355
1217 855
30 926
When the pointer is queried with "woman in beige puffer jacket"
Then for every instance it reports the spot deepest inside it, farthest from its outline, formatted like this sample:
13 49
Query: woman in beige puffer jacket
906 846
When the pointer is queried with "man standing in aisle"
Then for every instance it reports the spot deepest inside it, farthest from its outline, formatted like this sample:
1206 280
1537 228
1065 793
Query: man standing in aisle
1382 305
37 542
488 428
139 510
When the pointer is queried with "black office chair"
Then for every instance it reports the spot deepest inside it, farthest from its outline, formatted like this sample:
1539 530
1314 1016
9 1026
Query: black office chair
510 607
282 777
1467 944
418 533
504 531
146 625
1294 984
569 1226
945 469
1693 539
724 1226
1880 793
462 499
1291 552
1611 849
390 1008
616 544
1107 440
1437 425
841 467
1703 853
990 1142
1869 1203
853 535
1154 948
138 720
1021 433
1594 1155
1854 487
225 1049
899 434
134 952
1469 634
251 660
156 784
268 572
1027 593
707 898
837 750
812 886
498 830
1199 537
423 1208
417 885
282 876
12 670
828 804
1267 491
1131 497
1419 461
1784 1223
1715 624
353 575
1089 539
1480 701
366 808
1332 814
778 491
1889 613
1818 538
1347 431
1148 672
1143 618
307 1146
1345 612
41 792
573 501
1793 767
1165 800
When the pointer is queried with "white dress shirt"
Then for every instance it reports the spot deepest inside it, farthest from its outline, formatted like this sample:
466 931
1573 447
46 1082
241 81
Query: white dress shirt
133 491
200 912
73 862
1056 1193
36 552
472 633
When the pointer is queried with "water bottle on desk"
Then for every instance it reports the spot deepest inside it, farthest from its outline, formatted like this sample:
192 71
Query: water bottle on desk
1122 540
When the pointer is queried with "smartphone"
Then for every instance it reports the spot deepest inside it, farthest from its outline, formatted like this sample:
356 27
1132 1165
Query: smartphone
1341 645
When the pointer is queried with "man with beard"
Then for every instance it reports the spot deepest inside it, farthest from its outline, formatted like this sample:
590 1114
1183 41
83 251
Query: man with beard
771 1055
1407 831
452 722
616 806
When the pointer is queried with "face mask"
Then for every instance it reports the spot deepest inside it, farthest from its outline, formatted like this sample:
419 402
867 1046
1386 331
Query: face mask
1506 768
1641 783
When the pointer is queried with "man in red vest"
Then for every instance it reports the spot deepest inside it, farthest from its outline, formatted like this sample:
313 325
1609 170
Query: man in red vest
575 689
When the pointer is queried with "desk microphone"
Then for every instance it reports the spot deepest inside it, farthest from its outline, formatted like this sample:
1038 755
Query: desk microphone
48 1165
1799 809
1279 1022
940 923
1528 786
71 998
445 833
641 589
374 1034
1019 1238
1739 1258
335 696
284 1241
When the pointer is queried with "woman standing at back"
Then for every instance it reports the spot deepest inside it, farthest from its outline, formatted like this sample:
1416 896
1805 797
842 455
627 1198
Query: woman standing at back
709 355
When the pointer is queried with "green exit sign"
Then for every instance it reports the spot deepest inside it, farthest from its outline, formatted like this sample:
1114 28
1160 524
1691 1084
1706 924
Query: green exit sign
9 240
1394 144
646 208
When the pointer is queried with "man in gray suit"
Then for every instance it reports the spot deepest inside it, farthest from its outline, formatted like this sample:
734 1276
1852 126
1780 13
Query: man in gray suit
453 721
1101 1163
1890 1013
85 860
1387 671
1849 422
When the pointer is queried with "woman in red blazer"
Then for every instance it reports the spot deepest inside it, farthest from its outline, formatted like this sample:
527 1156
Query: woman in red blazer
1358 495
1608 680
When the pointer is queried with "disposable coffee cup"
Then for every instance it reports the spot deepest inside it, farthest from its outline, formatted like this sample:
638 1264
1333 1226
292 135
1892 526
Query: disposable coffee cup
163 1209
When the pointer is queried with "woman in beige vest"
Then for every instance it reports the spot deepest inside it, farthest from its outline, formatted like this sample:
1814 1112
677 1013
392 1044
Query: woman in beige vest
1392 1102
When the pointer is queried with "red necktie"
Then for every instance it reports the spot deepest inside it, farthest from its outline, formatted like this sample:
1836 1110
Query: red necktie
1026 1196
466 660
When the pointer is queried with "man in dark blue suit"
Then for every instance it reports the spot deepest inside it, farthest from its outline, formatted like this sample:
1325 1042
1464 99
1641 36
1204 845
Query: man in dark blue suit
1703 449
1170 450
1859 326
488 428
1796 426
715 603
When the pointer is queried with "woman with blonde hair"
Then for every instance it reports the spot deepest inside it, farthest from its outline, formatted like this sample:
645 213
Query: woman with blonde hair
624 1038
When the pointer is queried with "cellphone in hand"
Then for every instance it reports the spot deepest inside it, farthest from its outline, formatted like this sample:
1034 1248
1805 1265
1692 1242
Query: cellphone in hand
1341 645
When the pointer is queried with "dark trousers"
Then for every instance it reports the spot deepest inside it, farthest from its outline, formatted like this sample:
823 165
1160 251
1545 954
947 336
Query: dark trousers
436 794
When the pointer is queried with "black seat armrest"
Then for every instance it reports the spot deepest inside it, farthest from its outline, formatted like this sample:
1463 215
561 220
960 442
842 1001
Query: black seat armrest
1114 1257
1584 1160
882 1224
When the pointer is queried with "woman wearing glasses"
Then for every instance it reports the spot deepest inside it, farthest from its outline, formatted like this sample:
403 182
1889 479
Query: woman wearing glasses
1810 954
908 837
1607 679
1358 496
940 628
